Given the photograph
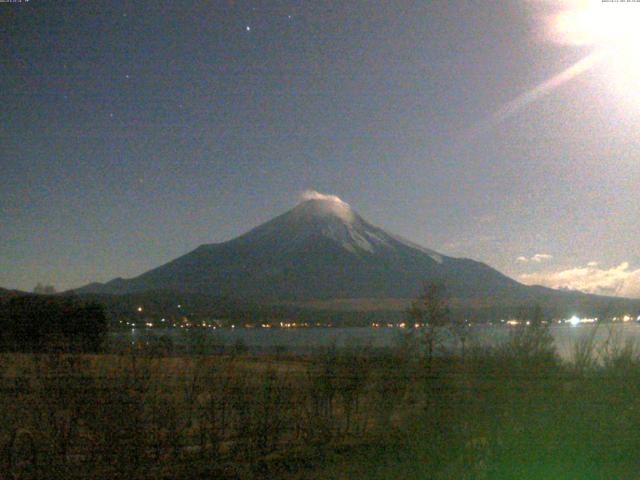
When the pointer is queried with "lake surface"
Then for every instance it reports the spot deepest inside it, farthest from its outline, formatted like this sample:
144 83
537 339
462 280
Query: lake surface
305 340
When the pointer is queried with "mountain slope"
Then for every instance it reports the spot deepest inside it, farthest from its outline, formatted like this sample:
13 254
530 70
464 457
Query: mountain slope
323 250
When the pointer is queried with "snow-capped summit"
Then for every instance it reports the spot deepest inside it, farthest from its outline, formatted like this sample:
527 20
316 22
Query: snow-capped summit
327 217
325 208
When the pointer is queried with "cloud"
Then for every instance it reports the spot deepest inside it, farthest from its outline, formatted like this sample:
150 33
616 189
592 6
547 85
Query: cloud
618 281
537 258
541 257
331 203
313 195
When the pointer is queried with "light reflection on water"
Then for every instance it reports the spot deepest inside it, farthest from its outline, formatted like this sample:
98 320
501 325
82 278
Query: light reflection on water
301 340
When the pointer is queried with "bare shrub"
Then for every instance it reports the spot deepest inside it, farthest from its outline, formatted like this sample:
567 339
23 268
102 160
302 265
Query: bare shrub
350 380
431 311
530 345
390 376
584 357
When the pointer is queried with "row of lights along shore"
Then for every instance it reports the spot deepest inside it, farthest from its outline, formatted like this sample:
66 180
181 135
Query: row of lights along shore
186 323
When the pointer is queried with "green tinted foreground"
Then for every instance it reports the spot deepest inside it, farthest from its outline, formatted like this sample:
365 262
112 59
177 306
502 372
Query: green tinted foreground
515 412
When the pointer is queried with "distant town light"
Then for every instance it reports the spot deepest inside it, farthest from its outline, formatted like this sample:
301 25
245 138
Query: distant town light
574 321
139 309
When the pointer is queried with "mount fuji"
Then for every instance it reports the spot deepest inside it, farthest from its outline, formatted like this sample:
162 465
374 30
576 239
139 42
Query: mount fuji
323 251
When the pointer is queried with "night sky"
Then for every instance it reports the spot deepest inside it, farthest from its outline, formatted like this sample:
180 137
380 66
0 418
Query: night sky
132 132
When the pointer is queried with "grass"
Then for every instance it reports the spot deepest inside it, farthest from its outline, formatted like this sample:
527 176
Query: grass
512 412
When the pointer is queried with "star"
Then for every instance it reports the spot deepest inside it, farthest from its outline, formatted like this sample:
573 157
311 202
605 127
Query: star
127 76
248 28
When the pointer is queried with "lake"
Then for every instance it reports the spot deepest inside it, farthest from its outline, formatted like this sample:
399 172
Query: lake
305 340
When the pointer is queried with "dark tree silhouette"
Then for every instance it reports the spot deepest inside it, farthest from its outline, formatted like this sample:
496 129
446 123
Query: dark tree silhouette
431 311
34 323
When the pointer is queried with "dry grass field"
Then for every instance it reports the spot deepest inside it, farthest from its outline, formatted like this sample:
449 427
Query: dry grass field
514 412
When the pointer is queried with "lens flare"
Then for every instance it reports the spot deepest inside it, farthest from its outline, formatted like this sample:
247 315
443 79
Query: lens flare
611 28
539 91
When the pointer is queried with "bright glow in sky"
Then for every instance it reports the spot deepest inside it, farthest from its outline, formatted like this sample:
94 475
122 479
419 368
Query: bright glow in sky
594 22
611 27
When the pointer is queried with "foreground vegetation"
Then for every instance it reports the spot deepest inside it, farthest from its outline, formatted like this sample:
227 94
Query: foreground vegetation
515 411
